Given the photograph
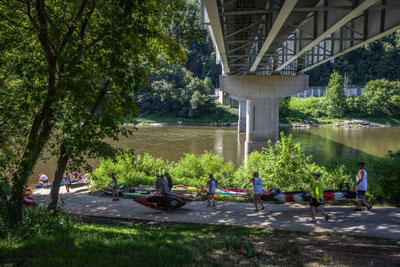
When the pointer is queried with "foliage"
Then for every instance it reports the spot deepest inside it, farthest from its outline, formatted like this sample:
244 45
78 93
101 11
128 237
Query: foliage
335 98
283 165
191 170
376 60
381 97
174 91
74 65
305 107
284 106
383 175
36 222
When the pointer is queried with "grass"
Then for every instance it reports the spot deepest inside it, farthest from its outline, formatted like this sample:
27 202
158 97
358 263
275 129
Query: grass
193 245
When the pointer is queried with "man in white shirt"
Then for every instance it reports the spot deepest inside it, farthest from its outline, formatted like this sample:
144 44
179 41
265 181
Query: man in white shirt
43 180
361 187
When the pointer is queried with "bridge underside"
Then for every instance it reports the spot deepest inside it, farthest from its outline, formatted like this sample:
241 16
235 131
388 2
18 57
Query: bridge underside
294 36
266 47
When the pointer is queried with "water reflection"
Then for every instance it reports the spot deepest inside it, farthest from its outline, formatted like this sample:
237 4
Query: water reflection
323 143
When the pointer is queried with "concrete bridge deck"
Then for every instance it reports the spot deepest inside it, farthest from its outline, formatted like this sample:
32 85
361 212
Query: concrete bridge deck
382 222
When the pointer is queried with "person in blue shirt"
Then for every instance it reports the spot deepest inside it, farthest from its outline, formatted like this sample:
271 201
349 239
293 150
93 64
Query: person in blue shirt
211 186
164 187
257 190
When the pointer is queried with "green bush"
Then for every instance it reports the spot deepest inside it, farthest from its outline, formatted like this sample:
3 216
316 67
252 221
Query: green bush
282 165
335 98
306 107
36 222
382 97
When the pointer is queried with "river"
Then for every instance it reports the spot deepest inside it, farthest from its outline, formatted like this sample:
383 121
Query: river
172 142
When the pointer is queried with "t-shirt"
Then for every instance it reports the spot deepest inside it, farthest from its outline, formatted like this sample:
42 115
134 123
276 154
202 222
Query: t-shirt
213 187
67 180
165 187
115 182
317 190
257 186
364 183
44 178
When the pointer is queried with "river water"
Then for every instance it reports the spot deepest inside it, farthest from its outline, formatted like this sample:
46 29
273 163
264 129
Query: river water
172 142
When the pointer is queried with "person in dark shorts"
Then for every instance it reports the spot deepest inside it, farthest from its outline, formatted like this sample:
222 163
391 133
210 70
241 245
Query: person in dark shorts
114 188
361 187
257 190
317 194
164 187
169 179
211 187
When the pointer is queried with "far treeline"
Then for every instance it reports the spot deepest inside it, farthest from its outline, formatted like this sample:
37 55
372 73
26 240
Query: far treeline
380 99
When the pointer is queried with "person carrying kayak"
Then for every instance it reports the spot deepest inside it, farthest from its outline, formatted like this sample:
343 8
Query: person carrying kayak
211 187
164 186
67 181
257 190
158 183
317 194
43 180
169 179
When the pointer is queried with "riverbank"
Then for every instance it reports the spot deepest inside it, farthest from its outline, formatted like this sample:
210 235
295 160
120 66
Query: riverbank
289 121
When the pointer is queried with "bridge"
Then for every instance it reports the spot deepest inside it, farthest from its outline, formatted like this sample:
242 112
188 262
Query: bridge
266 48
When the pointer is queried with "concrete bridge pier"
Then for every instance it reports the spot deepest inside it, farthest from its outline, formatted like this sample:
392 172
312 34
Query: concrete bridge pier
262 94
262 123
242 116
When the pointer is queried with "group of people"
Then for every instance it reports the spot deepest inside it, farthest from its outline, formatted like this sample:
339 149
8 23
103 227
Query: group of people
68 179
164 185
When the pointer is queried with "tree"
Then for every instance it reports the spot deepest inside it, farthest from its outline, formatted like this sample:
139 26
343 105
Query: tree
381 97
65 53
335 98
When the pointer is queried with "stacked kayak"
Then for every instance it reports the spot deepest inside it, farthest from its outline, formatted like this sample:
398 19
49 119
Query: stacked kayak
329 195
29 201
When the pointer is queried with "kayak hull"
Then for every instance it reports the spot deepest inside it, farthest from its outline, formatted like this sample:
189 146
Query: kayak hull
163 202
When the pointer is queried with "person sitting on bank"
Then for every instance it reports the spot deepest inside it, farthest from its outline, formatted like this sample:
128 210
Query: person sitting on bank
361 186
257 190
317 194
44 180
211 187
169 179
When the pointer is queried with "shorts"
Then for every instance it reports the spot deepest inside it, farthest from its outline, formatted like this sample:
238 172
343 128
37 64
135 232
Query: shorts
361 195
315 203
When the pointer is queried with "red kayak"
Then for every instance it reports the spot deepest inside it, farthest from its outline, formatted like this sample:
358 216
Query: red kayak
163 202
29 201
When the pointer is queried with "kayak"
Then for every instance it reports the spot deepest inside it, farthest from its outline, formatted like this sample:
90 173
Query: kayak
41 186
136 195
163 202
29 201
329 195
28 192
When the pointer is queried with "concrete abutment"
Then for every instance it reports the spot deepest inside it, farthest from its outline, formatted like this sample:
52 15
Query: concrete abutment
262 94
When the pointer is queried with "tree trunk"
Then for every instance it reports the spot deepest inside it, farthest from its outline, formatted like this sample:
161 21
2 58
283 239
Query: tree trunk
58 175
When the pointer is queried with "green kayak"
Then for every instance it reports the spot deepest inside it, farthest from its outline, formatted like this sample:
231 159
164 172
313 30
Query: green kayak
135 195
